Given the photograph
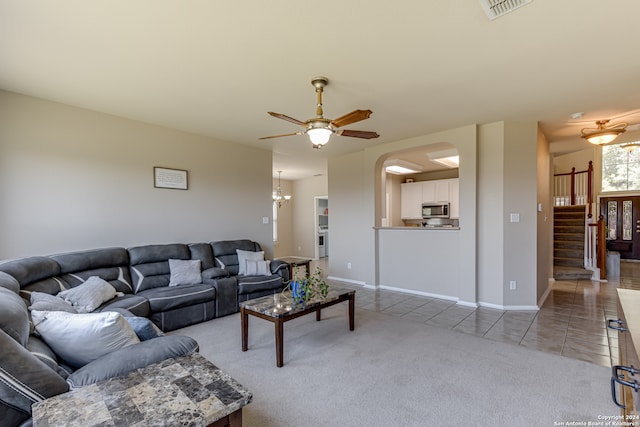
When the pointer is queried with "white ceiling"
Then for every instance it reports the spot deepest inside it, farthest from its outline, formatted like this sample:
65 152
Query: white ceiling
216 68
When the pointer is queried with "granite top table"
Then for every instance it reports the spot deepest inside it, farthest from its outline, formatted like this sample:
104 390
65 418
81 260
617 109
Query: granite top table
185 391
279 309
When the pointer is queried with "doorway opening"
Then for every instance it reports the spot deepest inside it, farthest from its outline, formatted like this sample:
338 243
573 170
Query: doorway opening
321 222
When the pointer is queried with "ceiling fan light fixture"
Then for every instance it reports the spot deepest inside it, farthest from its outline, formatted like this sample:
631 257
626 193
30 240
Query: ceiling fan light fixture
630 147
603 134
603 138
319 136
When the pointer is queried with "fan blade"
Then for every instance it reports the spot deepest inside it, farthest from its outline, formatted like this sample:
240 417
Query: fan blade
352 117
278 136
287 118
358 134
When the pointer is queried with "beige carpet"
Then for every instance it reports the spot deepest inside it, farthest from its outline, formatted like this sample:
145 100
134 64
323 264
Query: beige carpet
396 372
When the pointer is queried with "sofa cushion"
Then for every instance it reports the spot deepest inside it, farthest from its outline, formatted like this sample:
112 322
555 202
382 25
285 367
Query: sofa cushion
204 253
7 281
251 284
31 269
225 254
24 380
14 316
43 352
46 302
110 264
78 339
90 295
150 264
185 272
137 305
168 298
126 360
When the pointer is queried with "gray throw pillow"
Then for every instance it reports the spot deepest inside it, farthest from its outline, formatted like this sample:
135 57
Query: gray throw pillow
43 301
243 256
185 272
257 268
90 295
78 339
144 328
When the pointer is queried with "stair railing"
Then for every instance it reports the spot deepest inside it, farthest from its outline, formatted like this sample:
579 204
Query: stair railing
574 188
596 249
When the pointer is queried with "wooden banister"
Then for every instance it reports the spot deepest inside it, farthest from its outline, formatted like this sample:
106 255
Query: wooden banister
589 188
572 191
573 186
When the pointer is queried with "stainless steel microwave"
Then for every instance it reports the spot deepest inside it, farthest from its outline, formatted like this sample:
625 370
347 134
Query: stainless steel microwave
435 210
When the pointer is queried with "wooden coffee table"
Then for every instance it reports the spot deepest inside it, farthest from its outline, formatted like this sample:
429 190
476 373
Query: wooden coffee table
281 310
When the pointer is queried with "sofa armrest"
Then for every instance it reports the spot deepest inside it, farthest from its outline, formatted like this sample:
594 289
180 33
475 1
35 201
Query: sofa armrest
128 359
280 268
214 273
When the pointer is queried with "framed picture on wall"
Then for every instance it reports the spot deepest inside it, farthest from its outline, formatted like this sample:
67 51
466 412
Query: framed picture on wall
176 179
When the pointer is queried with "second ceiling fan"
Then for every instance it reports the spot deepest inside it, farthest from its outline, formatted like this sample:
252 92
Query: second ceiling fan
319 128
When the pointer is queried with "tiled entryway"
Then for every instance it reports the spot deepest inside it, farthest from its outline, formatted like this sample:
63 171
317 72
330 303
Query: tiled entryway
570 323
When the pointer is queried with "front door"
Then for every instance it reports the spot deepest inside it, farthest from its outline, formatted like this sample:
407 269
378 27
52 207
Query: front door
622 218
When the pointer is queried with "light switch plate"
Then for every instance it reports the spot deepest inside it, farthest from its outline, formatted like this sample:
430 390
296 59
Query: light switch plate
515 217
265 220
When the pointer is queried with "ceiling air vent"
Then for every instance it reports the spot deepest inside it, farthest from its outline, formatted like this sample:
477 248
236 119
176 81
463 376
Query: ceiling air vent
496 8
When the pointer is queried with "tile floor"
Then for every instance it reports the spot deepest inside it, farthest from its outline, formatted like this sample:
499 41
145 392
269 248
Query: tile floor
570 323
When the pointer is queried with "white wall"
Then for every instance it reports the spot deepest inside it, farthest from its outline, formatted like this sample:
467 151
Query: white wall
498 176
305 191
490 181
351 219
520 197
545 217
73 179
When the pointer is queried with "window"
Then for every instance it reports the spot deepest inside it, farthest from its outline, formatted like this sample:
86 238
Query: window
275 222
620 169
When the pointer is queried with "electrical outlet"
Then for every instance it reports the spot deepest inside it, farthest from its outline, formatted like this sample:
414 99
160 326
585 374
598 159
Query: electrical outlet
349 266
512 285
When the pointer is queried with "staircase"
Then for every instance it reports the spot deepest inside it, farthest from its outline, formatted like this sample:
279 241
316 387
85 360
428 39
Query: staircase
568 243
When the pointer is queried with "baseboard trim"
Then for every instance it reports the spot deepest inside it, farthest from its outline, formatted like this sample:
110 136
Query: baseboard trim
509 307
546 293
353 282
468 304
420 293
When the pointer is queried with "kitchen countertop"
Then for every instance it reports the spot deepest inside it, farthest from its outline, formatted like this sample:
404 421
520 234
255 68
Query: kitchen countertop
430 228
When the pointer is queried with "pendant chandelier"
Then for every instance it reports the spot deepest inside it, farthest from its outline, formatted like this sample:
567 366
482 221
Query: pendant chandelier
603 134
278 197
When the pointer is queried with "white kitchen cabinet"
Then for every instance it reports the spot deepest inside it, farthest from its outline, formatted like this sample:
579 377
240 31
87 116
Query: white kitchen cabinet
413 194
411 200
435 191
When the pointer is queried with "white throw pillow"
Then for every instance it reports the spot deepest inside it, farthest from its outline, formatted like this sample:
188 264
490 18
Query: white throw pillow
90 295
78 339
243 256
185 272
257 268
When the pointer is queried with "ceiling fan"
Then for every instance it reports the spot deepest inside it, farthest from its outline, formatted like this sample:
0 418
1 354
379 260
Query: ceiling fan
320 128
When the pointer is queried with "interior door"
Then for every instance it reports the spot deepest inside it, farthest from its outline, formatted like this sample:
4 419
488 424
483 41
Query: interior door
622 218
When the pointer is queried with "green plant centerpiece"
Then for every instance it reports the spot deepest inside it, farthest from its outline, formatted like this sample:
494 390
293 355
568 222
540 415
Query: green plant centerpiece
311 287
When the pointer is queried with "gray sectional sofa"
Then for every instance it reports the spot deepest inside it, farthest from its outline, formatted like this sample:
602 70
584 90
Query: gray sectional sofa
142 276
